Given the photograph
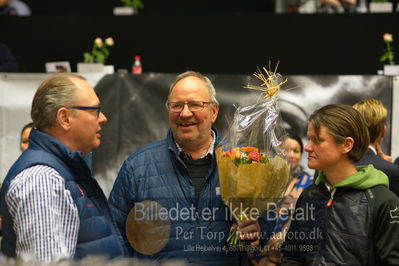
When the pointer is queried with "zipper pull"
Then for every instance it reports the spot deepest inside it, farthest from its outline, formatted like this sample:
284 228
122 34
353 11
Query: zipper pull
330 201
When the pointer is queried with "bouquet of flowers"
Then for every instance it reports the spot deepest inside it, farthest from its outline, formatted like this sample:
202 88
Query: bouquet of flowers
253 172
99 52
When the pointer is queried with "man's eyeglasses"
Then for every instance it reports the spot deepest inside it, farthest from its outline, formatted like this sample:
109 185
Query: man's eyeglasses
97 108
194 106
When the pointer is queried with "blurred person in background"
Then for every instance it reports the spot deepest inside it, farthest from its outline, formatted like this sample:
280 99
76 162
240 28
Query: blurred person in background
375 115
293 149
8 63
24 140
336 6
315 6
14 8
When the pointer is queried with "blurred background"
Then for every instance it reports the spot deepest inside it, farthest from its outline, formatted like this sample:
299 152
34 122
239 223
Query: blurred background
210 36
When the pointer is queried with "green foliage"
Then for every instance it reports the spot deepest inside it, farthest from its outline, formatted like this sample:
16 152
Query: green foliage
136 4
99 52
388 54
238 161
246 160
88 58
264 159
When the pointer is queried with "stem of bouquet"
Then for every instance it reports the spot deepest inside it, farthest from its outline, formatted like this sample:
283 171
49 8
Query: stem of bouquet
233 239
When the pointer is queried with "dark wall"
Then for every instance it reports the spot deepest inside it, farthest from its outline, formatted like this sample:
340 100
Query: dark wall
208 42
151 6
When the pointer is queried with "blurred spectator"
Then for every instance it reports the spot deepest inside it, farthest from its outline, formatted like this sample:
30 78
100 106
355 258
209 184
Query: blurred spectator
337 6
287 6
375 114
293 150
315 6
8 63
24 140
14 8
60 69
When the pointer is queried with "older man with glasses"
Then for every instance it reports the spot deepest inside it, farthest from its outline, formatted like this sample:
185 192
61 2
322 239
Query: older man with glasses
166 199
52 207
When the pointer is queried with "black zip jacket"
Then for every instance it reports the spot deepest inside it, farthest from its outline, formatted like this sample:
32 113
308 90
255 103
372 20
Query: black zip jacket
346 226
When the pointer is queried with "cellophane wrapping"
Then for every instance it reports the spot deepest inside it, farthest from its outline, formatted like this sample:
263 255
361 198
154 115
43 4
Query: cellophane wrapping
253 171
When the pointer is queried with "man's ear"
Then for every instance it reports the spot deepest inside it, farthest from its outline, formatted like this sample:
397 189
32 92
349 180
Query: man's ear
383 132
63 118
348 145
215 111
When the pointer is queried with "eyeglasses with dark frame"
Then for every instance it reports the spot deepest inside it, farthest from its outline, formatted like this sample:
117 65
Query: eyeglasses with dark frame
193 106
97 108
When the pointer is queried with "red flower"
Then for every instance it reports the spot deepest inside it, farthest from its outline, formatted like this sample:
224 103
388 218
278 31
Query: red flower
254 156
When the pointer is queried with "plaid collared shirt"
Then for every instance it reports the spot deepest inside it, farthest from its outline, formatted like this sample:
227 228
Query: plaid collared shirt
46 220
209 151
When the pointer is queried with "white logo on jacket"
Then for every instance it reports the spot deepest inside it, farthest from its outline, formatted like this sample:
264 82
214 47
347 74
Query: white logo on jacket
394 215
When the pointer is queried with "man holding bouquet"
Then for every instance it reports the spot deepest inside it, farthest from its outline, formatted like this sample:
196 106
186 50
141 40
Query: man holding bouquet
179 176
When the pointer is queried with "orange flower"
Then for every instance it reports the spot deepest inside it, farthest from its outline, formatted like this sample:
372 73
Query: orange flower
233 153
248 149
229 153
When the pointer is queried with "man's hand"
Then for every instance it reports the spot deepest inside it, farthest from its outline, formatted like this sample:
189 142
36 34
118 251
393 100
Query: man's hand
249 229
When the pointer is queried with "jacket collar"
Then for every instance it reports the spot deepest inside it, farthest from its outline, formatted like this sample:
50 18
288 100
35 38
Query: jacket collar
39 140
371 150
172 143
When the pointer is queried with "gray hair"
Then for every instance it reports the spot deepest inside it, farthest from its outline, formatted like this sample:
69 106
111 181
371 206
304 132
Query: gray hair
207 81
55 92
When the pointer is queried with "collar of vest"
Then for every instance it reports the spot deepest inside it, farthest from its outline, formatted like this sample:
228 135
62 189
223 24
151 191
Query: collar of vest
39 140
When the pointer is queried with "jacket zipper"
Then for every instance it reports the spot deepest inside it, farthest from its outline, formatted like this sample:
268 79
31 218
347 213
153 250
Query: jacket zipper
330 201
328 204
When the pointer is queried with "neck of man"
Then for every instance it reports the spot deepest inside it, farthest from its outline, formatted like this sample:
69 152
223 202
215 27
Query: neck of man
339 172
374 145
196 150
378 140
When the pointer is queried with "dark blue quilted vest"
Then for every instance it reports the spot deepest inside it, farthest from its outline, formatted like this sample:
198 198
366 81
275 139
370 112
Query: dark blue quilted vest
97 234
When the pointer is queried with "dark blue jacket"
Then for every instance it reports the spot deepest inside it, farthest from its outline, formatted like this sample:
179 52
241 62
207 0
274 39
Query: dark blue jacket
156 173
97 233
390 169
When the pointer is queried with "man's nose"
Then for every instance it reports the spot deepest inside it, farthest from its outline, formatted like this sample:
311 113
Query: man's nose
307 147
186 110
103 118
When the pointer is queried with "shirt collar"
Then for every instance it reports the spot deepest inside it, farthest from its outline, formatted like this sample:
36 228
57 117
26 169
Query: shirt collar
209 151
373 149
